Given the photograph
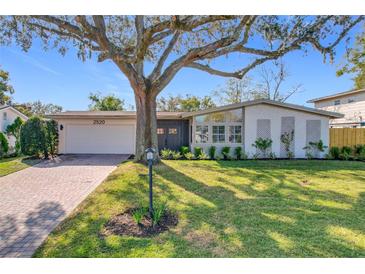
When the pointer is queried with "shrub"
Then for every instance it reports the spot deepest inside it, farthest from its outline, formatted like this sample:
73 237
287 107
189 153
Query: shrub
138 214
4 145
238 152
263 145
360 150
313 147
189 156
225 152
244 155
176 155
203 156
334 153
212 150
184 150
33 141
346 153
197 152
158 213
166 154
14 130
51 127
272 155
287 139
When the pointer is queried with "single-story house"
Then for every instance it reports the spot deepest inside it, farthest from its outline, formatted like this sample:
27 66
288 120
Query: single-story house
231 125
7 116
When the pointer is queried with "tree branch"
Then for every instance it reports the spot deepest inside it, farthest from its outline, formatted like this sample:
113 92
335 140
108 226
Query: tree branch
212 71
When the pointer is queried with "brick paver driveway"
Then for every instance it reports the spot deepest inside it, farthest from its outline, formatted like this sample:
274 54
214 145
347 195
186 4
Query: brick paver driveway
35 200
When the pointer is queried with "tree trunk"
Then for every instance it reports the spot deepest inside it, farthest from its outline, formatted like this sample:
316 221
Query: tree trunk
146 131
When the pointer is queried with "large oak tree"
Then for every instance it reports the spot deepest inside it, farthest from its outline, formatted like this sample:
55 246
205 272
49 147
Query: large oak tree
171 43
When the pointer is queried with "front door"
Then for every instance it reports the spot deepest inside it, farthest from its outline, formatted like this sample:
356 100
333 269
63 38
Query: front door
169 136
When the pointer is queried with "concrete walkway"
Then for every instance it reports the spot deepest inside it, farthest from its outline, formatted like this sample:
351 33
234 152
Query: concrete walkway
35 200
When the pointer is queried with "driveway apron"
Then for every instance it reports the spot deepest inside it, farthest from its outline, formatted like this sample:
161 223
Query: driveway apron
35 200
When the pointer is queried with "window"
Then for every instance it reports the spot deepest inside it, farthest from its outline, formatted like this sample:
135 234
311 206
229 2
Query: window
173 131
337 102
5 116
351 100
234 115
218 134
160 131
202 119
218 117
235 134
201 134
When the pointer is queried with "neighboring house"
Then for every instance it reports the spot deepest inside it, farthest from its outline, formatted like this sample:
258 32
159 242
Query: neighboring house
99 132
350 103
7 116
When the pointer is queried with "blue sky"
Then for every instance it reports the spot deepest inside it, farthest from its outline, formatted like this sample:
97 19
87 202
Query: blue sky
67 81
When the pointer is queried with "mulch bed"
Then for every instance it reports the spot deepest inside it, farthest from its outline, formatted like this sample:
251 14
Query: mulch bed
124 224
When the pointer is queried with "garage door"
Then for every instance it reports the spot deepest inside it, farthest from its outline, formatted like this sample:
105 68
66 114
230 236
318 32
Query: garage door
100 139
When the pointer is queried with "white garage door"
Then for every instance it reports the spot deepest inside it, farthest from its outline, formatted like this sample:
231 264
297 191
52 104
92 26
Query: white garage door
100 139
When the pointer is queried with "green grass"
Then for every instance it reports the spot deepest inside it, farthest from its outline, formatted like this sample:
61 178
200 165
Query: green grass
227 209
10 165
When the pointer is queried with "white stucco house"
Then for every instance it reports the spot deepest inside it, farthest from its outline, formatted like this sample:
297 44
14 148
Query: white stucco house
99 132
7 116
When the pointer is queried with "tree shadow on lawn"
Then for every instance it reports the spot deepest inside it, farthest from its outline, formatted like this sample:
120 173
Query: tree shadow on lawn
220 217
271 223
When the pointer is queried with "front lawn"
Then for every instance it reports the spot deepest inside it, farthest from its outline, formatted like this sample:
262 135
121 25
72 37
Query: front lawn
10 165
227 209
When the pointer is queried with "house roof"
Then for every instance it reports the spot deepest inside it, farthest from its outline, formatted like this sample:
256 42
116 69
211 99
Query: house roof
25 117
267 102
179 115
340 94
111 114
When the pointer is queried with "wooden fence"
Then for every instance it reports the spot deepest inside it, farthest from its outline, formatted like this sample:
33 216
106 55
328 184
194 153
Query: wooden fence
340 137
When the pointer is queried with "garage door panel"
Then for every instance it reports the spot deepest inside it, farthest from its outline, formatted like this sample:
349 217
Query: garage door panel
100 139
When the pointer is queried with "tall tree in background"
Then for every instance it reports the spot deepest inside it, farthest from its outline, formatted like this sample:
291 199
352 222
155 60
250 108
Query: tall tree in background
106 103
37 108
268 84
187 103
234 91
5 88
184 41
356 62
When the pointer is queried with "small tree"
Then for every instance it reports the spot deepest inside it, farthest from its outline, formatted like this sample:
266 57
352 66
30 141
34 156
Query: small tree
4 145
51 127
14 130
33 138
313 148
106 103
287 138
263 145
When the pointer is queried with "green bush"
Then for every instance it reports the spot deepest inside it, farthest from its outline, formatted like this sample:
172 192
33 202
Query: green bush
263 145
184 150
51 130
138 214
244 155
166 154
212 150
4 145
346 153
203 156
175 155
197 152
189 156
313 147
33 140
39 138
14 130
360 149
158 213
225 152
334 153
238 153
